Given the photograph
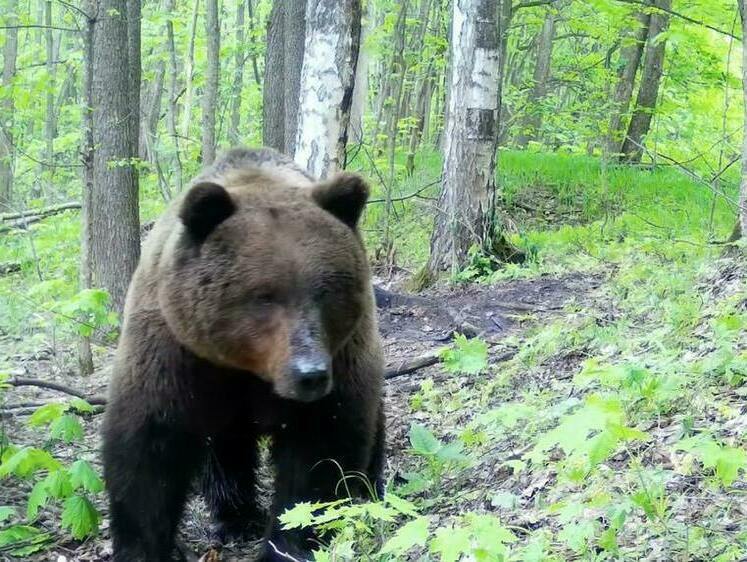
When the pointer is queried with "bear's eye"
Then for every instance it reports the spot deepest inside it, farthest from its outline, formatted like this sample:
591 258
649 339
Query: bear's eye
264 298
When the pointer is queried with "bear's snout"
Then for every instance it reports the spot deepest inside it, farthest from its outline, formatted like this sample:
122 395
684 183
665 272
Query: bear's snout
311 379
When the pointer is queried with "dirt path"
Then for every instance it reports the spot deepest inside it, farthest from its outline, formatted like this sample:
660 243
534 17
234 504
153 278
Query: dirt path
410 327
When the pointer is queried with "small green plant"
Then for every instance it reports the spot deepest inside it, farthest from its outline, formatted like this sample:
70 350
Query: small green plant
725 461
71 488
467 356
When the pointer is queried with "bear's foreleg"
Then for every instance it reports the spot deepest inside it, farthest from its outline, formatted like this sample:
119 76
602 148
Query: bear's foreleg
315 458
229 485
148 471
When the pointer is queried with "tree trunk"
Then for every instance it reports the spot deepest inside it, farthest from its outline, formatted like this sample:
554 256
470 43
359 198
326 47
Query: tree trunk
151 114
273 94
333 31
743 186
630 59
210 94
253 52
466 205
648 92
295 40
284 59
360 87
173 113
7 153
85 279
533 118
50 119
189 64
115 228
238 77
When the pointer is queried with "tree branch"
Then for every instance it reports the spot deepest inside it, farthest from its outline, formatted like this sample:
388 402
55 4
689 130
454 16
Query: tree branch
93 400
531 4
37 26
688 19
408 196
44 212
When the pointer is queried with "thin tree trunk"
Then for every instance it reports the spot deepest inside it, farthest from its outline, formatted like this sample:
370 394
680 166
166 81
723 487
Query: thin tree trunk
115 228
173 108
210 94
50 119
533 118
743 187
189 64
252 52
151 114
648 92
466 208
273 93
238 76
295 41
85 357
630 59
333 30
7 153
284 57
360 88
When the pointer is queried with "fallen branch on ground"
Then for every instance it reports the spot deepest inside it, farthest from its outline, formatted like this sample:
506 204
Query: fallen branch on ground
93 400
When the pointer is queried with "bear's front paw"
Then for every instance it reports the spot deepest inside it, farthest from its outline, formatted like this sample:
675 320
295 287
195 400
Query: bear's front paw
225 532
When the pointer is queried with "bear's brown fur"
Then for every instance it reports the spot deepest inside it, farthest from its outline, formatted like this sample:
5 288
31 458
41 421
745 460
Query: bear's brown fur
251 312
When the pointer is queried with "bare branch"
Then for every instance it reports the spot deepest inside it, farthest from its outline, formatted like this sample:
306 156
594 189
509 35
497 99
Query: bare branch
44 212
681 16
93 400
37 26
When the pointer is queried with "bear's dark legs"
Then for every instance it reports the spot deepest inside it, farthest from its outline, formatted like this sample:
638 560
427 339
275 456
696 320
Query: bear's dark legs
378 455
229 485
302 454
148 474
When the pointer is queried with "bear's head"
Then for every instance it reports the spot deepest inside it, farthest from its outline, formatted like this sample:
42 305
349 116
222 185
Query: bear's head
268 279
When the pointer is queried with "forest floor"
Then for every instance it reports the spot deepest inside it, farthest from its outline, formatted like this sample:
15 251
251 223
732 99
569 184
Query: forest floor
597 412
410 327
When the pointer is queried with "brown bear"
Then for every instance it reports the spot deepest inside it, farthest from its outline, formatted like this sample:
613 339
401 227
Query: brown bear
251 313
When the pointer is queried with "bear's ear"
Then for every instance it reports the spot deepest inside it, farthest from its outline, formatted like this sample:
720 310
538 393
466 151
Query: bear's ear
344 196
206 206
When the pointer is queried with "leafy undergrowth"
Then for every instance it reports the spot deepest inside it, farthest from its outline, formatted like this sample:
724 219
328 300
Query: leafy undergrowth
614 432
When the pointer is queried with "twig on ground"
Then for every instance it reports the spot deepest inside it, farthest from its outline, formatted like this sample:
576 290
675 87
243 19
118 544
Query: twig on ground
409 366
93 400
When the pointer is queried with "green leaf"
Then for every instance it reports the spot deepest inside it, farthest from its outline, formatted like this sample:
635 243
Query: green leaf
414 533
80 405
303 514
80 516
47 414
468 356
27 461
451 452
37 499
423 441
6 512
451 543
66 428
403 506
17 533
83 475
58 484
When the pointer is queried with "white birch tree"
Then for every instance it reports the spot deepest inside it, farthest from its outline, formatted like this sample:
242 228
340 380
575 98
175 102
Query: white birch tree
327 79
466 206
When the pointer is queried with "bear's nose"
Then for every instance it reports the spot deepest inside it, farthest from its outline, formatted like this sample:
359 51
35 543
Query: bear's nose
313 380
